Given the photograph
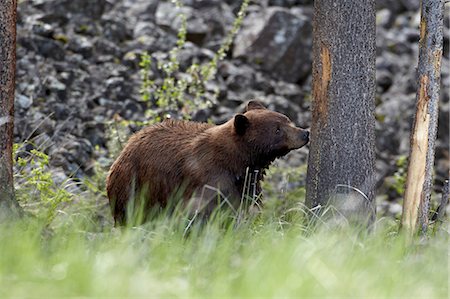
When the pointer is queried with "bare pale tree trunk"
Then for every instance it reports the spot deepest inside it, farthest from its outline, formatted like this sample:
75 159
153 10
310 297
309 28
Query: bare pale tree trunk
342 150
421 159
8 204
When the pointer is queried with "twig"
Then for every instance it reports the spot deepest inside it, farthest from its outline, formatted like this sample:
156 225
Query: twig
118 135
190 223
355 189
440 213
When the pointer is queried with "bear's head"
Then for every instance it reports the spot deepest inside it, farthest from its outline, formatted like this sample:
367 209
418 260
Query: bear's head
268 134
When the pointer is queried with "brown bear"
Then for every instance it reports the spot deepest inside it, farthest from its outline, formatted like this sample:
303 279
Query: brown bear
196 162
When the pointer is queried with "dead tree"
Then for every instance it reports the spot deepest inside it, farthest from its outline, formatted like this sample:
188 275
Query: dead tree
419 180
8 204
342 150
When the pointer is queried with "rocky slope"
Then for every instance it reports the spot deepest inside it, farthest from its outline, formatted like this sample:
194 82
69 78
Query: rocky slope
77 67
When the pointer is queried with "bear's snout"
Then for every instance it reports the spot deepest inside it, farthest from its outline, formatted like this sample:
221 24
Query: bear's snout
297 137
305 136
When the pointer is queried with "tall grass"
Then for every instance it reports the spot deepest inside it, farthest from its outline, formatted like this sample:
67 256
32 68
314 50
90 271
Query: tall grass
276 254
260 257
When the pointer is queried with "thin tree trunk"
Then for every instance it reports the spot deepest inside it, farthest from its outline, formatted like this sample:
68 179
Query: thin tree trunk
421 159
8 204
440 213
342 150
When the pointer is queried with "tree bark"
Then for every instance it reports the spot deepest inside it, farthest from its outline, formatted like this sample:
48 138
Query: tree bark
8 204
419 180
342 150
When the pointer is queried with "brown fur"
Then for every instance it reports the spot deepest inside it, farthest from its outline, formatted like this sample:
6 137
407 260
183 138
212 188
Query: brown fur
183 157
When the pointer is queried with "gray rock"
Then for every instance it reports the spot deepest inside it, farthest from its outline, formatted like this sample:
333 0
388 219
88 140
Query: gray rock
395 209
191 54
144 28
411 5
394 5
288 90
41 124
118 89
92 9
132 59
81 45
75 156
197 31
53 17
42 142
131 108
384 80
59 177
94 131
283 3
62 112
279 41
398 5
205 20
46 47
144 10
23 101
104 47
57 87
167 15
385 18
116 30
263 83
43 29
241 80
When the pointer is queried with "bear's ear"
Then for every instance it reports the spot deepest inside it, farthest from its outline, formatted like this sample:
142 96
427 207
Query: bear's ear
255 105
241 124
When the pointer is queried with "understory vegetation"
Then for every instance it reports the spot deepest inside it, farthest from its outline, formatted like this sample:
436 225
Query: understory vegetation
66 245
260 257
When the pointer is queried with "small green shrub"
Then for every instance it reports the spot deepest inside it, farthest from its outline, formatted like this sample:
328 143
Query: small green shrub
37 191
183 94
400 175
117 133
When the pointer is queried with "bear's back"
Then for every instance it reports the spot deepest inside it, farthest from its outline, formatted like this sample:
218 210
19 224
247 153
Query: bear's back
153 158
174 129
171 137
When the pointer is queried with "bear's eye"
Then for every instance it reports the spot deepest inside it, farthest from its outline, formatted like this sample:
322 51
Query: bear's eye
277 131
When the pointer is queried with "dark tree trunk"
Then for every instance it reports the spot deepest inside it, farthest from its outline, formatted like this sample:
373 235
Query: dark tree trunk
8 204
423 135
342 151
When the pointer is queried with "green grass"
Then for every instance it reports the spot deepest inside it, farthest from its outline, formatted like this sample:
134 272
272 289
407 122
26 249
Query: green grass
257 258
68 248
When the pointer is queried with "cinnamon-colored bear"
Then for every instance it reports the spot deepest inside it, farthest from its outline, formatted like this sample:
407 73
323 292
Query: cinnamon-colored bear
197 162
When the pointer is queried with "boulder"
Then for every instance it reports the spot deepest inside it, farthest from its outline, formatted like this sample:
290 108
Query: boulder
45 47
206 20
91 9
399 5
23 101
279 41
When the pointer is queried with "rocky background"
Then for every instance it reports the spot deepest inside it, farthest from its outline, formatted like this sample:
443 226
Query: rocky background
77 67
